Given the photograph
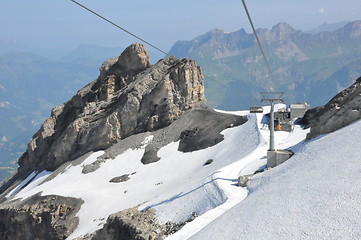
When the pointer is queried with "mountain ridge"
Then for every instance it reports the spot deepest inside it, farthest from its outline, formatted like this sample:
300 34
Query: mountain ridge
327 27
300 63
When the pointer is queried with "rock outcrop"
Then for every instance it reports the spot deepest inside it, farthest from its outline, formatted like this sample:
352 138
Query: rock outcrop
340 111
48 217
129 97
131 224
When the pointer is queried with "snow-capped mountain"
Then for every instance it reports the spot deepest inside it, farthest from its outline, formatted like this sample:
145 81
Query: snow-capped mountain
137 154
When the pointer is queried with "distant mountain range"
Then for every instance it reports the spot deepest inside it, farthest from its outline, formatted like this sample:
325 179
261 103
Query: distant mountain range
306 67
326 27
90 55
30 86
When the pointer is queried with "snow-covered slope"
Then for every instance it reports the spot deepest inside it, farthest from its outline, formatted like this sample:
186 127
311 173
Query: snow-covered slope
177 186
314 195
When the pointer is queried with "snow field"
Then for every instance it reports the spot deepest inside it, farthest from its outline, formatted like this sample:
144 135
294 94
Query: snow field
247 165
176 186
314 195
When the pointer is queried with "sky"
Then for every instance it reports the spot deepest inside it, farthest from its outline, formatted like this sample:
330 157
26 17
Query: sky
62 25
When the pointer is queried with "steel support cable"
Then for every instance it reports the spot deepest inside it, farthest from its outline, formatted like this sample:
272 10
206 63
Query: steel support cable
258 41
123 29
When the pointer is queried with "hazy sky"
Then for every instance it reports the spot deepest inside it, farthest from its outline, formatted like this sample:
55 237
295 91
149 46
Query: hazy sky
60 24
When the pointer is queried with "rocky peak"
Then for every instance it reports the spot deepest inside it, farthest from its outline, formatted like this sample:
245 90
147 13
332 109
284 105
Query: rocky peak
133 60
279 32
130 96
211 37
283 28
242 32
216 31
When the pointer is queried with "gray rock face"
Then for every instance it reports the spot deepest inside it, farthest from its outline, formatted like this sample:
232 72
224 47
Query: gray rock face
129 97
205 124
119 179
196 130
131 224
49 217
340 111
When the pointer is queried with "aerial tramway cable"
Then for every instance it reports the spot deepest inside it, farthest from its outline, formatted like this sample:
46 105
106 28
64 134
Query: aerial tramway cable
258 41
272 97
123 29
155 47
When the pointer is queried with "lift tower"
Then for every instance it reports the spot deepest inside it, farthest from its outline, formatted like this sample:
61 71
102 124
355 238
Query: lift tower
274 156
272 98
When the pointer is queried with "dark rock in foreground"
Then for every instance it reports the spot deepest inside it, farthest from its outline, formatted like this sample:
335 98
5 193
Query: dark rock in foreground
131 224
197 129
48 217
340 111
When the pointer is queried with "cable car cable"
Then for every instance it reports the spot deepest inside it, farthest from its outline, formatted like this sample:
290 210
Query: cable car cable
258 41
123 29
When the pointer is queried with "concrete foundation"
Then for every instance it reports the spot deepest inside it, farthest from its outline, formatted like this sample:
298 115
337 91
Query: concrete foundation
276 157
